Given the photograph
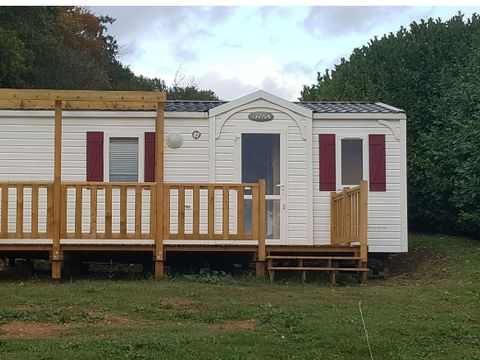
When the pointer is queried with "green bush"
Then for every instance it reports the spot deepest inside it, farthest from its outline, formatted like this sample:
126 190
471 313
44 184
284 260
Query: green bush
432 71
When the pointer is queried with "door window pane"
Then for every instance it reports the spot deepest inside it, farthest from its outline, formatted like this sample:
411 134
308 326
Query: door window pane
261 160
272 216
123 159
352 161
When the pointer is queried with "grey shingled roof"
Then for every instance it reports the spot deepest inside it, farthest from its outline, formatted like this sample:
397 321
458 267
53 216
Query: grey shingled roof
347 107
315 106
191 106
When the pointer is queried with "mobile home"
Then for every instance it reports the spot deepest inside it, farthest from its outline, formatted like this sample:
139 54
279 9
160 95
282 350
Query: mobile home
128 171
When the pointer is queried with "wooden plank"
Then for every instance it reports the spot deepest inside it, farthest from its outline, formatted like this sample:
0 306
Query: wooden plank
315 268
4 228
346 216
363 220
159 180
261 220
333 218
211 211
255 212
108 212
50 211
153 211
82 95
306 257
138 211
57 192
19 226
225 211
78 211
63 215
123 211
196 212
240 212
166 212
34 212
93 211
181 212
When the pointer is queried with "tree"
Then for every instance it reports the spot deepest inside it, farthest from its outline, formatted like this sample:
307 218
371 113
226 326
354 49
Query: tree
69 48
431 70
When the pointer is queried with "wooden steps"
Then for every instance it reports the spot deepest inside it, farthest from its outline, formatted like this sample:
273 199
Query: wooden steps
317 263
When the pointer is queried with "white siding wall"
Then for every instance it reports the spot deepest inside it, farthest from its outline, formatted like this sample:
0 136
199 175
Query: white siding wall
386 227
228 160
26 153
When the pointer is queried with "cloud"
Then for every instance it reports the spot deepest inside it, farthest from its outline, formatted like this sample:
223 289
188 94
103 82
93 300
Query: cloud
343 20
279 87
227 88
296 68
181 27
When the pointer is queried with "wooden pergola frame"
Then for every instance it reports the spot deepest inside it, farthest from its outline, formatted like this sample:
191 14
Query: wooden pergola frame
58 100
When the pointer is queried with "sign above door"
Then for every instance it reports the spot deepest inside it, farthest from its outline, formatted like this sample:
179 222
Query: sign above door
260 116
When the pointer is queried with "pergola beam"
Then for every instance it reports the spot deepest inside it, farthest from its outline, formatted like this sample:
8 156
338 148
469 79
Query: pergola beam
82 95
21 99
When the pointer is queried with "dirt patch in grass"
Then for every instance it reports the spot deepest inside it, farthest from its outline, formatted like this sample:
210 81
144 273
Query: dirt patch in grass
113 321
248 324
178 303
29 329
416 265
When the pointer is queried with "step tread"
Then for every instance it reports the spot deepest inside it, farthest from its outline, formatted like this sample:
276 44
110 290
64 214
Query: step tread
308 268
307 257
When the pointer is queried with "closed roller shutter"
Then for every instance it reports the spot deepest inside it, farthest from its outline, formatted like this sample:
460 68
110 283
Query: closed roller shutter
123 159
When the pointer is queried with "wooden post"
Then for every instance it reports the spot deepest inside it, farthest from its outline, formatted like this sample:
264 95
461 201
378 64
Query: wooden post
346 216
159 162
260 268
363 227
333 218
56 256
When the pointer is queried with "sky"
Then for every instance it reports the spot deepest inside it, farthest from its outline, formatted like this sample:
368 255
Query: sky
237 50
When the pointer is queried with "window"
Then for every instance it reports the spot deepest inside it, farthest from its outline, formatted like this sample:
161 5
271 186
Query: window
352 161
123 159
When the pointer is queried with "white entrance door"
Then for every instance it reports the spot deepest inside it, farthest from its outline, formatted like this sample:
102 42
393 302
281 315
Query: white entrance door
262 158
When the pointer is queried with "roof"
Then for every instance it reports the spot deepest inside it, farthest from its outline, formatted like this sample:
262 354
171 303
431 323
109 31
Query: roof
191 106
315 106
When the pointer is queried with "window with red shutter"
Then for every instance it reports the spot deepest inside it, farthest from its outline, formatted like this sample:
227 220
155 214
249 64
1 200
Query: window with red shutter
377 160
327 162
149 157
94 156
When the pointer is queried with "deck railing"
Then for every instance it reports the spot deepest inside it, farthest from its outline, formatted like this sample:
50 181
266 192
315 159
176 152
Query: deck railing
26 210
349 217
211 211
100 210
96 210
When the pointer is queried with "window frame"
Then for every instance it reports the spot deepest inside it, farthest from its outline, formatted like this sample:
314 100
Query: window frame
338 158
139 135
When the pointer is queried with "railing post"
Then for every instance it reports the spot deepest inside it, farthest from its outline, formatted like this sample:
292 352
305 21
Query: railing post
159 179
56 256
260 268
333 218
363 220
346 215
363 228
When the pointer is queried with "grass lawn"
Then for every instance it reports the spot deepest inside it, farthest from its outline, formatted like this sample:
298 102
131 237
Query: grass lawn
428 309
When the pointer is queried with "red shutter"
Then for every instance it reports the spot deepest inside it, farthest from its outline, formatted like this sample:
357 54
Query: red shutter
149 157
376 152
327 162
94 156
